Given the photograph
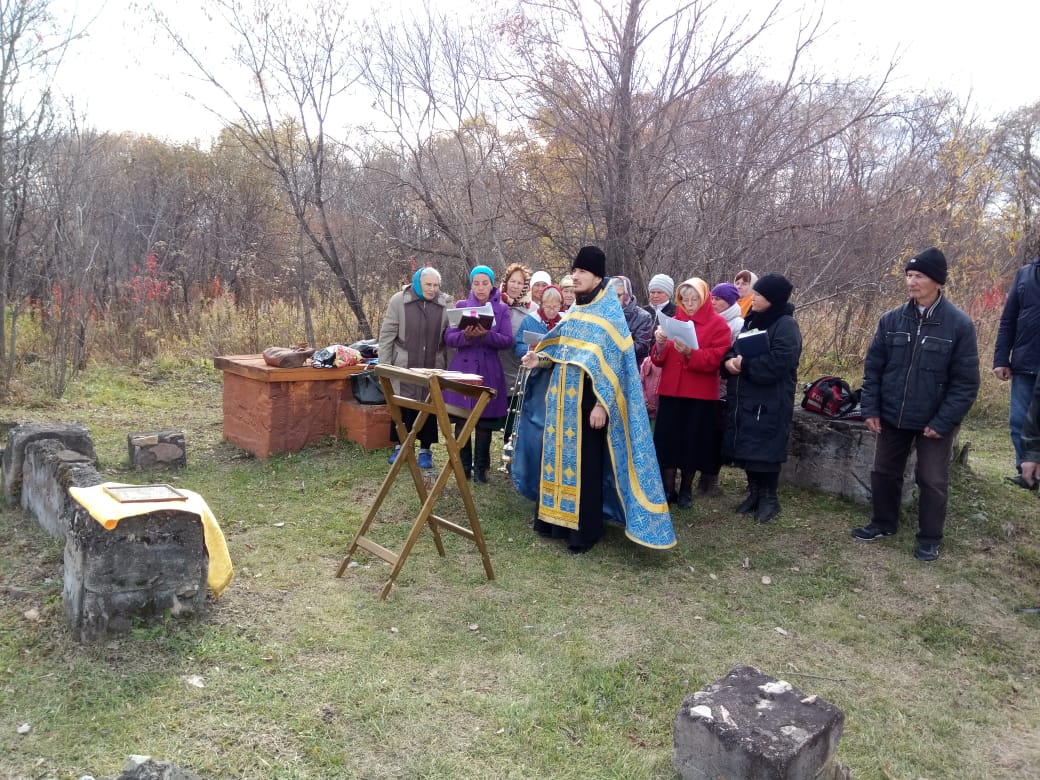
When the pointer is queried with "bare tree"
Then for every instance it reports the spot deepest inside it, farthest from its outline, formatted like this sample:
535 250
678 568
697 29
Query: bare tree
1015 151
296 64
661 121
432 84
618 83
31 47
67 195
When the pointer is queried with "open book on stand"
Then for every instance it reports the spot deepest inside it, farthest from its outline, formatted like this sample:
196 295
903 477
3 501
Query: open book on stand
752 343
465 316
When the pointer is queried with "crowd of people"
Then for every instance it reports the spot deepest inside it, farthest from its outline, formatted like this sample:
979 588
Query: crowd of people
612 410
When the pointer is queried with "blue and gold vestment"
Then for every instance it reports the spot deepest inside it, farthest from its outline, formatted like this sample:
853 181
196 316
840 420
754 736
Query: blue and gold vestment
592 340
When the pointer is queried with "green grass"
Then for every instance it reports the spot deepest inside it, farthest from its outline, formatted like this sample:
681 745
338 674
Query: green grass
562 667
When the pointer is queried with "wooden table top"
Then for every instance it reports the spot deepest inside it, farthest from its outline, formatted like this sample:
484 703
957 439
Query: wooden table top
254 367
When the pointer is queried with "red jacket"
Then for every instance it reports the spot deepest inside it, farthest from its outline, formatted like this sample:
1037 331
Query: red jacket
695 375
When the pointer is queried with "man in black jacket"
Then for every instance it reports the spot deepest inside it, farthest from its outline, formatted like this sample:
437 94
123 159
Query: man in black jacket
921 377
1016 355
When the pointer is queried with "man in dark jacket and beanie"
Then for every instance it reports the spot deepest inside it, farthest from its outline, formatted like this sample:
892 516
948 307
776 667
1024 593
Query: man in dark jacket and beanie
1016 355
921 376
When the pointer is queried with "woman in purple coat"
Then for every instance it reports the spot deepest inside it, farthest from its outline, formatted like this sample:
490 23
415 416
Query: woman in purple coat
477 352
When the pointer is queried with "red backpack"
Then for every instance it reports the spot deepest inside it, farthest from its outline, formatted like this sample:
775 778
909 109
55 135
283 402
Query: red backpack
831 396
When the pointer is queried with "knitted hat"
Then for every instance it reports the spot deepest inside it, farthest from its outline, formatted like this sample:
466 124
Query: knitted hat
540 276
774 288
591 259
566 282
662 283
726 291
482 269
931 262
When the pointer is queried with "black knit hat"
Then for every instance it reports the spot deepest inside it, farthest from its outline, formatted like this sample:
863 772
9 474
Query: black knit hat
774 288
591 259
931 262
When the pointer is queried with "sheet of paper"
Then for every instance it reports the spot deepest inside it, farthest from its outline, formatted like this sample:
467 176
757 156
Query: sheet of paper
678 330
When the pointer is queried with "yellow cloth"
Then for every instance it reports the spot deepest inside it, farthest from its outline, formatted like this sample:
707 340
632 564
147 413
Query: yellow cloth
107 511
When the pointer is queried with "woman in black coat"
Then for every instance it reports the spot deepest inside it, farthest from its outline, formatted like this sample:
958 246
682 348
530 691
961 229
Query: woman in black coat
762 375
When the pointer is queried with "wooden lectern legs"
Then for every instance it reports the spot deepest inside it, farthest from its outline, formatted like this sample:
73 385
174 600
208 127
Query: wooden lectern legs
435 405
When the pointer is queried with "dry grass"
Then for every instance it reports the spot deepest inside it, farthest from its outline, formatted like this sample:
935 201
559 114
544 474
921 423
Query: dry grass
577 665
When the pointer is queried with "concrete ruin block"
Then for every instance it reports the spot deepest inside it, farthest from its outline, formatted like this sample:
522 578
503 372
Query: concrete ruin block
146 768
157 450
835 457
750 725
49 469
146 566
365 424
74 436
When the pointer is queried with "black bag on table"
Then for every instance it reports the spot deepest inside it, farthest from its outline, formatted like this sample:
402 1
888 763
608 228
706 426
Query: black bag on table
366 388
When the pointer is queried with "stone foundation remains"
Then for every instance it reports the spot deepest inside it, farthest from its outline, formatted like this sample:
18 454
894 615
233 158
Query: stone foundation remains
74 436
146 567
750 725
49 469
835 457
157 450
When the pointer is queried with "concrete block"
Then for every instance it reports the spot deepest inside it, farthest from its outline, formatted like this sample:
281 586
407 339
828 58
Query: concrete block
750 725
74 436
835 457
157 450
146 566
365 424
49 469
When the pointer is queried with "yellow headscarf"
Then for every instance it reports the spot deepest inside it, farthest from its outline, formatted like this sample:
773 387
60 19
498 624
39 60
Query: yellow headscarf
697 284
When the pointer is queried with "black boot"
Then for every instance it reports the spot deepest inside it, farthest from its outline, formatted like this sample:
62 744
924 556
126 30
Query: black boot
750 504
481 456
768 506
685 497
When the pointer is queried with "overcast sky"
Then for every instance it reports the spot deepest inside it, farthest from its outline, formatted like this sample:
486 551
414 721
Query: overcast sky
124 76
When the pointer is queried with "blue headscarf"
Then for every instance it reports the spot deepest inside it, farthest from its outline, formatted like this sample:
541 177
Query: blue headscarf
417 282
482 269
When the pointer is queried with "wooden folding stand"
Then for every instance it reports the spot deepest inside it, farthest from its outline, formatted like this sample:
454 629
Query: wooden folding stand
435 405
